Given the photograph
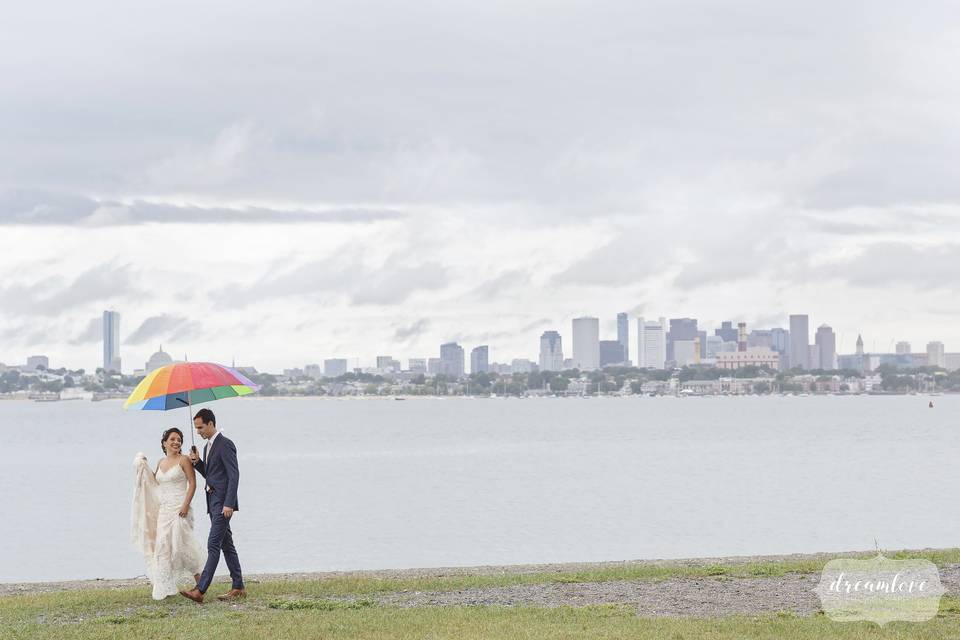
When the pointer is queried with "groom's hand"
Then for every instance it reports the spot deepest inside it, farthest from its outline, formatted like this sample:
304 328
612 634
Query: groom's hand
227 512
194 456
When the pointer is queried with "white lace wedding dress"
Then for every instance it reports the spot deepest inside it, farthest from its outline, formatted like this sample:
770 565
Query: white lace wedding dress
172 551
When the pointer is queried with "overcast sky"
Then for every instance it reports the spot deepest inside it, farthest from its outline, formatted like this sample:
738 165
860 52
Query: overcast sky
286 182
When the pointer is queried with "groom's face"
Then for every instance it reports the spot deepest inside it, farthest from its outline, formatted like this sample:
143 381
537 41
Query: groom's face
204 429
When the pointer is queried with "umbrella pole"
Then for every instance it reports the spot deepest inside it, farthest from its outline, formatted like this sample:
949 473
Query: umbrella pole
193 444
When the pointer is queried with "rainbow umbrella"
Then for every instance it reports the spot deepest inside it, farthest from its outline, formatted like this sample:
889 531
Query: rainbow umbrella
184 384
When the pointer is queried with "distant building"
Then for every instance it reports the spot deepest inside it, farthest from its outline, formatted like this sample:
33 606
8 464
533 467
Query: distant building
623 336
35 363
313 371
686 353
433 366
451 359
903 347
753 356
586 343
781 344
859 351
935 355
568 364
417 365
726 331
800 341
388 364
551 351
714 345
951 361
159 359
334 367
760 338
826 343
480 359
651 343
111 342
522 365
611 353
813 357
681 329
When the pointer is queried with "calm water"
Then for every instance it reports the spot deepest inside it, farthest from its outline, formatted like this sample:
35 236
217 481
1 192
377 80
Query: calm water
347 484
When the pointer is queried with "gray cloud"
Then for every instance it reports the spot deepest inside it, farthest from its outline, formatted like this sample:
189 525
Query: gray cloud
163 327
56 294
411 332
886 264
92 333
342 274
27 207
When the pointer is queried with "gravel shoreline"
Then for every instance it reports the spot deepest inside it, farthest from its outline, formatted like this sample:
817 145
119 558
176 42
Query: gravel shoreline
680 596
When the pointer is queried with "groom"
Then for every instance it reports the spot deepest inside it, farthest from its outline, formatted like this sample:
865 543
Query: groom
219 467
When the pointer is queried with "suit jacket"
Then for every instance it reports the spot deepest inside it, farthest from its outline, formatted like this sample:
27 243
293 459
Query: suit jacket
222 473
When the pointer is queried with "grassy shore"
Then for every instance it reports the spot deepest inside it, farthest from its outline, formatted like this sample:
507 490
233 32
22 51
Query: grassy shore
347 606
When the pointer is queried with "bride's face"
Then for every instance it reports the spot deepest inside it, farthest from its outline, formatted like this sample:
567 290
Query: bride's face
173 443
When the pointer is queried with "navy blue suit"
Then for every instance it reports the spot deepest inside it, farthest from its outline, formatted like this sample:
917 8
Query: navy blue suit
222 473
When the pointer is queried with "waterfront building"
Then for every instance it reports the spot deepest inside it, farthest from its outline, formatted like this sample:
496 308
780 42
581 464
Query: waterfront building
611 353
586 343
935 355
451 359
159 359
623 335
951 361
753 356
800 341
551 351
651 343
680 329
433 366
480 359
111 342
334 367
826 343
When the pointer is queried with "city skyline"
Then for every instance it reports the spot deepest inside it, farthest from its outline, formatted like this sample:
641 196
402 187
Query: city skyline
700 343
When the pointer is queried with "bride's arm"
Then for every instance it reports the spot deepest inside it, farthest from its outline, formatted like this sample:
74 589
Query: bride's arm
191 484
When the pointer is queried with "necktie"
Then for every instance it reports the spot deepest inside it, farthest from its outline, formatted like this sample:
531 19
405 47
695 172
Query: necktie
206 450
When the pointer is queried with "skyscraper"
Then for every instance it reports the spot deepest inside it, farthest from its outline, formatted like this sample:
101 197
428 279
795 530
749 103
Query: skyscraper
726 331
651 343
780 339
111 341
611 352
480 359
451 359
800 341
935 355
586 343
680 329
903 348
551 351
623 335
826 342
860 345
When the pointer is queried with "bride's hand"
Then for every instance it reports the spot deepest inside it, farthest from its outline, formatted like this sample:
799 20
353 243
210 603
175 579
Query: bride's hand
184 510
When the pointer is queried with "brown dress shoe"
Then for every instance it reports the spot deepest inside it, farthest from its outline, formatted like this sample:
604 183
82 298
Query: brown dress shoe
194 595
233 594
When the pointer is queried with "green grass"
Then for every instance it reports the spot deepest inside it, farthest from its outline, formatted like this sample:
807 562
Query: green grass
342 607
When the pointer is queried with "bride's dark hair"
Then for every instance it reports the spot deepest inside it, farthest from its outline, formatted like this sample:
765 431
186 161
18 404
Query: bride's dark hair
166 434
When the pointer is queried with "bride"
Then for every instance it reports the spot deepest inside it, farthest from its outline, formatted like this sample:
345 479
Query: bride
161 518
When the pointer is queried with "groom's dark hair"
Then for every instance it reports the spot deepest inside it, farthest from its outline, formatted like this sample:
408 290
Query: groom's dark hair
206 416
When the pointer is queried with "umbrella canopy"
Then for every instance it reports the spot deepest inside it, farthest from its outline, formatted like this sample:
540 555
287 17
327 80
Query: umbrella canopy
183 384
